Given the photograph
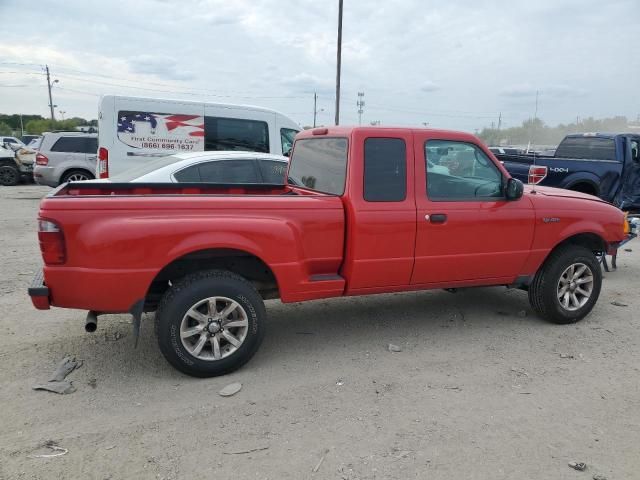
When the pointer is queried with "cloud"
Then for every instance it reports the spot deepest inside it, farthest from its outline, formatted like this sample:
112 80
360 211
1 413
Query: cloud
429 87
554 91
161 66
307 83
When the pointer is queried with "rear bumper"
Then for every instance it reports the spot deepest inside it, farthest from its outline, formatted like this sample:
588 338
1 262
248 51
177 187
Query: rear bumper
39 292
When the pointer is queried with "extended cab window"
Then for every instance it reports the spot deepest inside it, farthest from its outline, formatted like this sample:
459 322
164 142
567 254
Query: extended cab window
460 171
236 134
385 170
588 148
320 164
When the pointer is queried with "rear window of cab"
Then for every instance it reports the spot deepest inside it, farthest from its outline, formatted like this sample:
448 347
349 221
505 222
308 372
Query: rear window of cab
320 164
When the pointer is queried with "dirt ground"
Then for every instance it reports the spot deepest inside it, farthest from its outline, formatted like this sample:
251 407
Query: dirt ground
479 390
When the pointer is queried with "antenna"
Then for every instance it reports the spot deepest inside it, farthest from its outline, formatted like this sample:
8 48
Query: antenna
535 121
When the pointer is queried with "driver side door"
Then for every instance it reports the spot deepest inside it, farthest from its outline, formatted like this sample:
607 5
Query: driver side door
467 231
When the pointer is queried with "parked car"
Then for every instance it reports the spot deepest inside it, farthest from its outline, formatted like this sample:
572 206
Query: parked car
602 164
135 130
35 143
16 163
506 150
65 157
27 139
209 167
361 214
11 140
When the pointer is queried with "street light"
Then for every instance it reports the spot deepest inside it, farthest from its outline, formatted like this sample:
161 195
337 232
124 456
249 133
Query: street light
62 112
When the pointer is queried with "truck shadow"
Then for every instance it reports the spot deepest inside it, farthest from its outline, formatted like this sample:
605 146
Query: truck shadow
314 331
372 322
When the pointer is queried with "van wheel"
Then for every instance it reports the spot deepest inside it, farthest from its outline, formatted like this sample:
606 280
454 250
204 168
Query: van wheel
9 175
210 323
76 176
567 286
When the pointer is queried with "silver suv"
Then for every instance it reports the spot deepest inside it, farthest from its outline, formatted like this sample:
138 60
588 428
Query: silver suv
66 157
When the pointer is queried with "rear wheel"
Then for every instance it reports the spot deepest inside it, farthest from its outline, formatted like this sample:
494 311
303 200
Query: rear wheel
76 176
9 174
567 286
210 323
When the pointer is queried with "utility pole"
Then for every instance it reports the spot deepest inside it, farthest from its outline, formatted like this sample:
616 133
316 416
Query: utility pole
339 62
21 127
46 67
499 120
315 108
360 104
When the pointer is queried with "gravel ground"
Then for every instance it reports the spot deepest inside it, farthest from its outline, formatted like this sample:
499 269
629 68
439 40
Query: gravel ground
479 390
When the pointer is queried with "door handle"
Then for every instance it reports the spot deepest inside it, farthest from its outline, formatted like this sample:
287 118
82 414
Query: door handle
436 218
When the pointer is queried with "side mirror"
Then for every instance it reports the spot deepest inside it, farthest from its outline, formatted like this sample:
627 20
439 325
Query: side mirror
514 190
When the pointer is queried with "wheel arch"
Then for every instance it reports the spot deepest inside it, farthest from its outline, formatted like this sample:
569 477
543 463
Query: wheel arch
242 262
67 171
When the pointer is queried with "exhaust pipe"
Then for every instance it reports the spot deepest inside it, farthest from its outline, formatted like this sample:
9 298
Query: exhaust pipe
91 323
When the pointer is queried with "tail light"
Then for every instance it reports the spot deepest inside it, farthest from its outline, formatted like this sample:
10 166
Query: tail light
51 242
103 163
41 159
537 174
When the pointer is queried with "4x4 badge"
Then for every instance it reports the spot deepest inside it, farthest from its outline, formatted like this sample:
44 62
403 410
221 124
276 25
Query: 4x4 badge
550 219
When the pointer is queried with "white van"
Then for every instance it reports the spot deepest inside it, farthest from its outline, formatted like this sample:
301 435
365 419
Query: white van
134 129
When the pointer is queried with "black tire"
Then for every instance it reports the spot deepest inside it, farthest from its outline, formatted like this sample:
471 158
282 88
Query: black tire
9 174
67 177
544 291
195 288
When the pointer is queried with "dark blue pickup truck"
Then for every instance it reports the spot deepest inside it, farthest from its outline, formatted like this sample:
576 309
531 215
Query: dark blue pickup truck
602 164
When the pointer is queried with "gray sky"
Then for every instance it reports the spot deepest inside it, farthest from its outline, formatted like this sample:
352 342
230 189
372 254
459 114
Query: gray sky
451 63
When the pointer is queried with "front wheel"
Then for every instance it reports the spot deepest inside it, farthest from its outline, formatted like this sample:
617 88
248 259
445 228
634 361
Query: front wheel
567 286
210 323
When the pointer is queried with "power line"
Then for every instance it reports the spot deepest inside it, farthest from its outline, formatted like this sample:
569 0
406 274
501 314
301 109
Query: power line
184 91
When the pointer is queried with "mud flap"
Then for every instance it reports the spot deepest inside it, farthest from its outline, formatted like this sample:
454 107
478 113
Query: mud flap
136 311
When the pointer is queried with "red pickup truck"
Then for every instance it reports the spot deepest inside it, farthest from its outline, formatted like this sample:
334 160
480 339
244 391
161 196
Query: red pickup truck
364 211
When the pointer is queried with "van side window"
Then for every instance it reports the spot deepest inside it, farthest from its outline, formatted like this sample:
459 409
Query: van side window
236 134
385 170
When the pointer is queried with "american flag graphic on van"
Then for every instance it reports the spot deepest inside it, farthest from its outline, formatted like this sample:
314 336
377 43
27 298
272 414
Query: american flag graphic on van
161 131
189 125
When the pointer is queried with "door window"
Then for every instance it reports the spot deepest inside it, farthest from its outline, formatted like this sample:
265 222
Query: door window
273 171
385 170
460 171
229 171
635 151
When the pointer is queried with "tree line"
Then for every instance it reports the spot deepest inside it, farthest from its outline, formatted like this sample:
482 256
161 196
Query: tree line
538 133
37 124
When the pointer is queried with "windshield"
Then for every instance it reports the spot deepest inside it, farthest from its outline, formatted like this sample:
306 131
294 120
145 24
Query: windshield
320 164
144 168
287 135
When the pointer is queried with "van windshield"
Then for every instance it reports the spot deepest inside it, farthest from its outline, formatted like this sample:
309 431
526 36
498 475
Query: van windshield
143 169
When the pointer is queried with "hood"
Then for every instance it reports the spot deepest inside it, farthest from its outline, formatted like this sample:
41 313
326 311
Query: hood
561 192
